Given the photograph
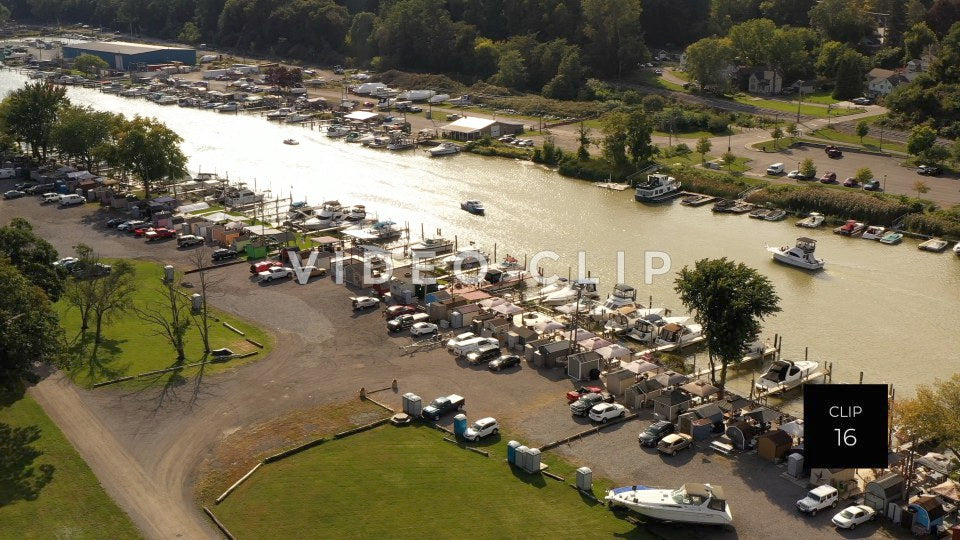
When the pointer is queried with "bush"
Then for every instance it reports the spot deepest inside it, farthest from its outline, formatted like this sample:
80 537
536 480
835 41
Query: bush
651 103
717 123
934 224
596 169
709 182
871 208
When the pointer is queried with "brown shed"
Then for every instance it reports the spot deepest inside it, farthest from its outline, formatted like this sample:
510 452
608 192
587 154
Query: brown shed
774 445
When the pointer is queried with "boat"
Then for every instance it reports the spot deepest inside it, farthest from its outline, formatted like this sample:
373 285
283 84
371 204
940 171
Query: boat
696 200
628 317
331 212
376 142
385 229
569 293
851 228
740 207
230 106
444 149
292 142
873 232
891 238
168 100
776 215
785 374
956 249
622 295
353 137
723 205
800 255
431 247
509 263
658 187
357 212
474 207
295 118
336 130
935 245
760 213
812 221
691 503
396 144
674 336
279 114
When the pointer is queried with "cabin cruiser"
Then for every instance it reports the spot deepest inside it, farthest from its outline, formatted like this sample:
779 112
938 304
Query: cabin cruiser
800 255
444 149
474 207
400 143
637 324
291 142
431 247
873 232
785 374
956 249
337 130
330 213
851 228
230 106
935 245
657 188
353 137
570 292
673 336
279 114
241 197
357 213
296 117
891 238
691 503
622 295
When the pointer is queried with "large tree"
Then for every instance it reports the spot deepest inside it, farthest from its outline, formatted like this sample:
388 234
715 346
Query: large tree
753 40
917 40
417 34
932 413
30 113
113 295
89 64
32 255
83 134
841 20
787 12
150 150
614 37
169 316
851 69
29 327
708 59
729 300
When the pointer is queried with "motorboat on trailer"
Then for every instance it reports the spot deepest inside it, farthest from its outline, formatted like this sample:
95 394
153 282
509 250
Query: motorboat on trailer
691 503
800 255
814 220
622 295
785 374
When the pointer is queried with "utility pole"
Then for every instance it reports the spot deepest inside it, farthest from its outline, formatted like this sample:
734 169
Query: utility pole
799 99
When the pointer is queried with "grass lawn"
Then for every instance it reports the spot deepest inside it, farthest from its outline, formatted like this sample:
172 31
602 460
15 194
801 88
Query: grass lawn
694 134
131 346
649 78
406 482
869 142
791 108
740 165
72 504
823 97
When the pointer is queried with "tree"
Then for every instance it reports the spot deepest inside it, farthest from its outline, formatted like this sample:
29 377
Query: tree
921 139
829 58
916 12
863 127
4 14
169 315
615 138
703 147
360 43
511 72
792 130
29 327
729 300
89 64
921 188
841 20
808 169
728 159
29 114
83 134
851 68
614 38
417 34
150 150
82 293
638 140
917 40
190 34
583 137
931 413
783 12
707 60
207 284
752 40
863 174
777 134
569 79
112 296
32 256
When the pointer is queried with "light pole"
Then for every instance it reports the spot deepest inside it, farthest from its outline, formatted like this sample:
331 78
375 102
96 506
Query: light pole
799 99
881 137
884 188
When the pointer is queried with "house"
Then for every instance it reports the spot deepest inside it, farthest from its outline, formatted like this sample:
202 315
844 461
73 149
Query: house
804 87
927 513
773 445
880 82
668 406
883 491
642 392
470 128
764 81
548 354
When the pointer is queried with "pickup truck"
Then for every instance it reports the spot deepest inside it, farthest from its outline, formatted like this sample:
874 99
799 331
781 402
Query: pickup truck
263 266
158 233
276 272
442 405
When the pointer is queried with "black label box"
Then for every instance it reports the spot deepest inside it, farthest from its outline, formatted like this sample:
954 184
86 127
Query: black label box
845 425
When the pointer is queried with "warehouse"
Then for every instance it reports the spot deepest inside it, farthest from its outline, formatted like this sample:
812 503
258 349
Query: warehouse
471 128
131 56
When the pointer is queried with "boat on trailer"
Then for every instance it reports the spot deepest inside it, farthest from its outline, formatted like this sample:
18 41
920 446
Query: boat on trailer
703 504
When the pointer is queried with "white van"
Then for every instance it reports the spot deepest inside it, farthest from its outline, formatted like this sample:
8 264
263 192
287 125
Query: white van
458 339
776 168
819 498
466 347
71 200
7 173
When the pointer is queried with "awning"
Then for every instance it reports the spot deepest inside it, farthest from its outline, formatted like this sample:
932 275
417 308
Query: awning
670 378
613 351
507 308
593 343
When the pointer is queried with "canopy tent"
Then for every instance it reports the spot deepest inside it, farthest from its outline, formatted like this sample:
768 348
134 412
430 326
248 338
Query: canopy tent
670 378
640 366
584 307
700 389
507 308
613 350
949 489
594 343
794 428
490 302
546 326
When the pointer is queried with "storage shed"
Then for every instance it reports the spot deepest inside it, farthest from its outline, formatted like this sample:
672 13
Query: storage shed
832 477
642 393
584 366
668 406
883 491
742 434
928 512
763 416
618 380
773 445
709 412
127 56
547 355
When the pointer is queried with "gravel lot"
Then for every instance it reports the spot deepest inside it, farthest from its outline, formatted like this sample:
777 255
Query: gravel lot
326 353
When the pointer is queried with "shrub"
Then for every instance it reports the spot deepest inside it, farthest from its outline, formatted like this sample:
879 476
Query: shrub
871 208
934 224
709 182
596 169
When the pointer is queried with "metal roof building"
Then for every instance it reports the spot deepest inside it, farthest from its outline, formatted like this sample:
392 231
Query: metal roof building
129 56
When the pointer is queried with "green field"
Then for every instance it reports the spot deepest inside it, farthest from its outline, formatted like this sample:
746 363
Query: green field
740 165
131 346
407 483
72 504
869 142
791 108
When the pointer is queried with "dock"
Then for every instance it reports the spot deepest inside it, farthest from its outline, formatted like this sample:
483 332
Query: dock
615 186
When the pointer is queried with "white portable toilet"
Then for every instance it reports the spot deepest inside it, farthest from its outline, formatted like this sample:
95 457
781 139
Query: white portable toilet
196 302
168 273
522 457
795 465
412 404
533 460
584 479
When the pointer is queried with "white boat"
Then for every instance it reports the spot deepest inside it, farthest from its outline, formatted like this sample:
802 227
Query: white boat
230 106
279 114
331 212
674 336
357 213
800 255
444 149
569 292
658 187
935 245
431 247
956 249
784 375
814 220
474 207
294 118
691 503
640 325
873 232
622 295
336 130
292 142
168 100
376 142
400 144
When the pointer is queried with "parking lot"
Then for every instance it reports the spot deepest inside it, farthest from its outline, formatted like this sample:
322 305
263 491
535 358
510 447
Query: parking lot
326 352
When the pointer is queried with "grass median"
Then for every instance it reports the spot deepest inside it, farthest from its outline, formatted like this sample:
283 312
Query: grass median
130 346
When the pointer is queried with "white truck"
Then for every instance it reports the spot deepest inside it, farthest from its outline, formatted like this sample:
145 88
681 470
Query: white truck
71 200
819 498
277 272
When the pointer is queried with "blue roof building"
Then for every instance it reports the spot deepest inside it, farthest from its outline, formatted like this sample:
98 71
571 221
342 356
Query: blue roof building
129 56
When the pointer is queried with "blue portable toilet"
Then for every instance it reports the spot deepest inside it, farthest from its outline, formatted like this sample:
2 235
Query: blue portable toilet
61 187
512 452
459 425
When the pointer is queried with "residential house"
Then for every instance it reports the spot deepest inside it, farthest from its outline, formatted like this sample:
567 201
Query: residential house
764 81
880 82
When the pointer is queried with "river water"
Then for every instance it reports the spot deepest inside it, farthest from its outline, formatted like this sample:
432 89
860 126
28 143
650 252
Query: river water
889 311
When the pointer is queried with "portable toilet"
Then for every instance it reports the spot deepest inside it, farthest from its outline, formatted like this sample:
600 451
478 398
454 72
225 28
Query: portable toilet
459 425
168 273
512 452
533 460
795 465
584 479
456 319
521 458
412 404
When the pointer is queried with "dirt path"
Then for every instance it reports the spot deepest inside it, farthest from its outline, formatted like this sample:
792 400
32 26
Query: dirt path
154 511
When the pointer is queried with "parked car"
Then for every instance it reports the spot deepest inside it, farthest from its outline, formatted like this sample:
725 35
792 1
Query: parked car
160 233
483 354
441 406
872 185
861 101
482 428
13 194
85 271
141 231
459 338
818 499
851 182
795 174
111 223
71 199
851 516
263 266
224 254
829 178
274 273
403 322
51 197
364 302
604 412
581 391
582 406
66 262
185 240
674 442
423 329
131 225
776 168
654 432
929 170
393 312
504 362
833 151
468 346
315 271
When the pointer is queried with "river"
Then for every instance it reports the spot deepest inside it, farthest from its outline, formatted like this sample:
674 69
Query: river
889 311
